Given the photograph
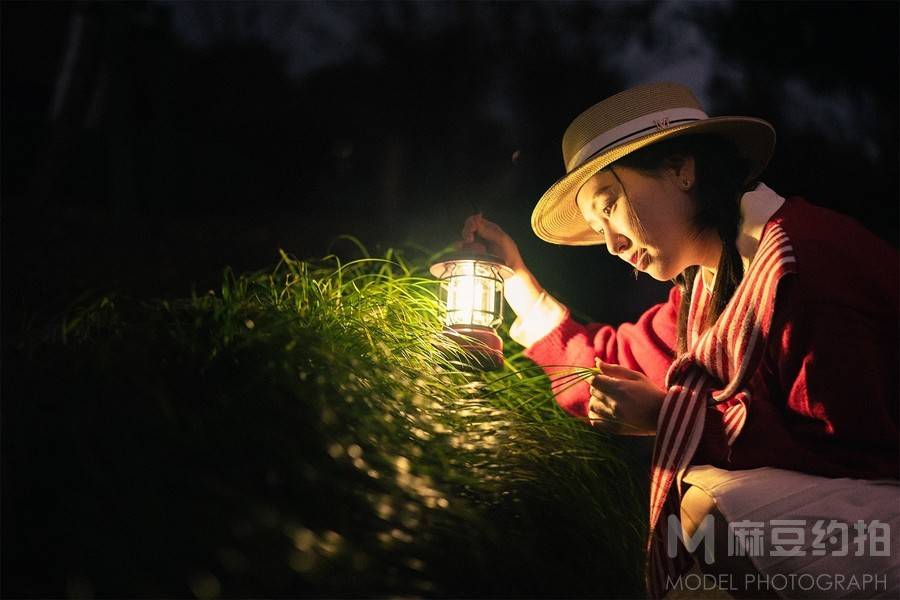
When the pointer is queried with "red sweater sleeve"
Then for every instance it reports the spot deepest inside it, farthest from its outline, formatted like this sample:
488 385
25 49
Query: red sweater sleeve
647 346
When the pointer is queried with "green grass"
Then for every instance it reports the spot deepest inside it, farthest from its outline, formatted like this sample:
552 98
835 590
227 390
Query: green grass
302 431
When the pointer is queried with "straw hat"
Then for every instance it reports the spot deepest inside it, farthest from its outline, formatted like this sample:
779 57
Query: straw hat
622 124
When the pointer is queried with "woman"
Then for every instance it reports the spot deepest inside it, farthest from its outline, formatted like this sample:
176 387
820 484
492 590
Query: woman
777 346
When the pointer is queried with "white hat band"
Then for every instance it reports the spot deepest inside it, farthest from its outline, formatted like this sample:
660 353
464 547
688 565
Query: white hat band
635 128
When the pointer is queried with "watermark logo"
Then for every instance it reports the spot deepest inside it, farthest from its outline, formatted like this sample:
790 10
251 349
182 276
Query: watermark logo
780 582
705 534
785 537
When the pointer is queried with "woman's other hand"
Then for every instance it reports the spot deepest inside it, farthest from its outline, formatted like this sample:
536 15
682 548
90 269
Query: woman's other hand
623 401
522 290
478 230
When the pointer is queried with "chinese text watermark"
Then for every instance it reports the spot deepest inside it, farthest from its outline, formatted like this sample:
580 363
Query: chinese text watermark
786 537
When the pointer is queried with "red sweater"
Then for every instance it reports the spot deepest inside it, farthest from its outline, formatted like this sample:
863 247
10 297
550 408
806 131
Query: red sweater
825 397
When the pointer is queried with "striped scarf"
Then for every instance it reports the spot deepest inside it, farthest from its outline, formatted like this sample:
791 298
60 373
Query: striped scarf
729 351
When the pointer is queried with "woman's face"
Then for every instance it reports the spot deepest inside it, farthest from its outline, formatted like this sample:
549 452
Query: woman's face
648 223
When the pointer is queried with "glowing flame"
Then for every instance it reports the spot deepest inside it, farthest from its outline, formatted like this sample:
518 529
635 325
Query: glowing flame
473 295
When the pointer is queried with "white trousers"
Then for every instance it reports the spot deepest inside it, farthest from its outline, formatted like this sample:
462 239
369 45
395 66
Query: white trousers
805 536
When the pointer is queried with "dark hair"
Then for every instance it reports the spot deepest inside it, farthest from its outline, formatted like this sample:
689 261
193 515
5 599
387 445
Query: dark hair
720 175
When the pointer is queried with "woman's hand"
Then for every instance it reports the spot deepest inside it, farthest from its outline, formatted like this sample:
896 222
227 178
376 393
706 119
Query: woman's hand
521 290
478 230
624 401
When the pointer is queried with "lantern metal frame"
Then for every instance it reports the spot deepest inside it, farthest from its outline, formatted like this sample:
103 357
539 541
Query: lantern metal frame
480 342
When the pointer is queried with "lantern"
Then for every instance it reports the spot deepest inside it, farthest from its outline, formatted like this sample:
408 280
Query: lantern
472 295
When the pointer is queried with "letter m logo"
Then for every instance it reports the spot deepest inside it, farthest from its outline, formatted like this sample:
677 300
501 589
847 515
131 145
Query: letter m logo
704 533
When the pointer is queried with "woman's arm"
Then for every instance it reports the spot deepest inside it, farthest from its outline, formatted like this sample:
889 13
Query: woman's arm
647 346
554 340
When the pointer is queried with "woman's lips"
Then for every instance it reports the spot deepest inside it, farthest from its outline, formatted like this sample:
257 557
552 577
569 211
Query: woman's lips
639 259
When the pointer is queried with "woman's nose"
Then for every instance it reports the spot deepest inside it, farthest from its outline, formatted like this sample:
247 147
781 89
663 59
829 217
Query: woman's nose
617 243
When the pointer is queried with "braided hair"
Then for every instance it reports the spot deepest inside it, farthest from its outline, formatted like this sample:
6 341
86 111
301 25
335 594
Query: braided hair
720 175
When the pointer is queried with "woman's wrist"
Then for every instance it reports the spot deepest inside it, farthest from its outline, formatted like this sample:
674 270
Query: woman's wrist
522 290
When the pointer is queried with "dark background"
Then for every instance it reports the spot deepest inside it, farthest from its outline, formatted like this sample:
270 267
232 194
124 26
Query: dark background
147 145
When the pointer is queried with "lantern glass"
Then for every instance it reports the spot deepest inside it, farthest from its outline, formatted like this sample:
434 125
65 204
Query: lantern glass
472 292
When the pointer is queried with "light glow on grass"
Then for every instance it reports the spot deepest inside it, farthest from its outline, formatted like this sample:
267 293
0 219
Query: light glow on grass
339 433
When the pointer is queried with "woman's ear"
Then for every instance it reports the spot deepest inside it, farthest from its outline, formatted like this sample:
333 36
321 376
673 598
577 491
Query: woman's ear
681 168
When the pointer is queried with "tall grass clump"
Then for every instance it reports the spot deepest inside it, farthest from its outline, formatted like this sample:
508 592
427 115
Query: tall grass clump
301 431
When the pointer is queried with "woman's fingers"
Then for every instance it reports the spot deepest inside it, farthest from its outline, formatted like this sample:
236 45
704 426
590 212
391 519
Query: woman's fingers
640 400
605 384
478 230
616 371
597 393
604 420
602 403
470 227
603 409
487 230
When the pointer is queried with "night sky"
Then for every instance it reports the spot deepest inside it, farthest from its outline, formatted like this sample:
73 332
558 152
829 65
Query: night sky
147 145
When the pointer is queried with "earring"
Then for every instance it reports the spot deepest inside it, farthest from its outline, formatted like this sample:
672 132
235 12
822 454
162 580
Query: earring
686 184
